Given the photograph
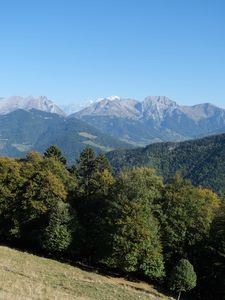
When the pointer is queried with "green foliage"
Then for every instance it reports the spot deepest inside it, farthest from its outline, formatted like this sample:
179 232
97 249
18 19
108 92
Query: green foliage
132 222
39 194
56 153
183 277
10 182
201 161
136 245
95 182
58 234
212 282
185 214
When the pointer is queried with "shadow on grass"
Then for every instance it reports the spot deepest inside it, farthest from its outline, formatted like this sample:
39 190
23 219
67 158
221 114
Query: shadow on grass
100 269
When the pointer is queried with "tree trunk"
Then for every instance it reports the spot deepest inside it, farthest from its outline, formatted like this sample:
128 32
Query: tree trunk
179 295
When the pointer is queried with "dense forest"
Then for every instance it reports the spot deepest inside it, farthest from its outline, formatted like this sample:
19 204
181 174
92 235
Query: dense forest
201 161
131 222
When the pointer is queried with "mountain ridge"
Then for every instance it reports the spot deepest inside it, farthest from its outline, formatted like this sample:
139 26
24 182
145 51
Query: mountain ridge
22 131
10 104
201 160
123 123
157 118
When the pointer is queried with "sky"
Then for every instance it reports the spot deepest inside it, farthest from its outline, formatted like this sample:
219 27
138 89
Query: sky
73 51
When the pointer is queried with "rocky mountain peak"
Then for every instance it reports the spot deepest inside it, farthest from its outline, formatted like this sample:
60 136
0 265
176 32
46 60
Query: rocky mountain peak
155 107
162 101
111 106
42 103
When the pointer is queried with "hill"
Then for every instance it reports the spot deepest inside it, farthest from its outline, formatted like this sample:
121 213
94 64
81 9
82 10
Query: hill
21 131
25 276
155 119
202 161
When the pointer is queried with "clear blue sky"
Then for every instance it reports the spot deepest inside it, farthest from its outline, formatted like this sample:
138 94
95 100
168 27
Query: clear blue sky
75 50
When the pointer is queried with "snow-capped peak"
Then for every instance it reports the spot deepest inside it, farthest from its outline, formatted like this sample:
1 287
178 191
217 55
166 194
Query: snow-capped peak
110 98
113 98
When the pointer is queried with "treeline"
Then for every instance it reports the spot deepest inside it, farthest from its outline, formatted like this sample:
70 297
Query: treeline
131 222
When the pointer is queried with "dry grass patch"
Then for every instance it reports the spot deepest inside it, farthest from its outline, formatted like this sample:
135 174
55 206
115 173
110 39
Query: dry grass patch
26 276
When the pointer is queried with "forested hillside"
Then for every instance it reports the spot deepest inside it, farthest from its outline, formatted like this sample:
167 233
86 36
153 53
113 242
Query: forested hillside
202 161
21 131
131 223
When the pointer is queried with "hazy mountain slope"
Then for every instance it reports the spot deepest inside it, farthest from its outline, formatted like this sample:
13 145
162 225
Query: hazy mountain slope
202 161
157 118
73 135
21 131
132 131
10 104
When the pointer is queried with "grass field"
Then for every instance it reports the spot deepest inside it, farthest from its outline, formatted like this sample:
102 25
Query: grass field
26 276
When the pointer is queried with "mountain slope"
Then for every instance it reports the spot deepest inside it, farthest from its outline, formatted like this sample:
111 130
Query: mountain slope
11 104
157 118
26 276
21 131
202 161
73 135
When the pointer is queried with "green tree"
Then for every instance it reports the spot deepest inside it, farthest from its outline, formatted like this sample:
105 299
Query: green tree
11 181
185 214
84 169
37 196
183 277
212 280
57 236
56 153
61 172
91 201
135 242
102 163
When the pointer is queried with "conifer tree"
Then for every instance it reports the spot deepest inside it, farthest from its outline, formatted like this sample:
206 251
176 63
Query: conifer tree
56 153
91 200
57 236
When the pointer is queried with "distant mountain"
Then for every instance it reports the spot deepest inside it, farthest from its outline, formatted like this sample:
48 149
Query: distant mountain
72 108
202 161
157 118
11 104
112 106
21 131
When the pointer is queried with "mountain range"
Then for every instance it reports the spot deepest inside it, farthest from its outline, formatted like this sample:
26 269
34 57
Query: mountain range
29 123
22 131
42 103
154 119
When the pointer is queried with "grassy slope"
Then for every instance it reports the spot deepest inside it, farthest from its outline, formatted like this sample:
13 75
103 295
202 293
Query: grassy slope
26 276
